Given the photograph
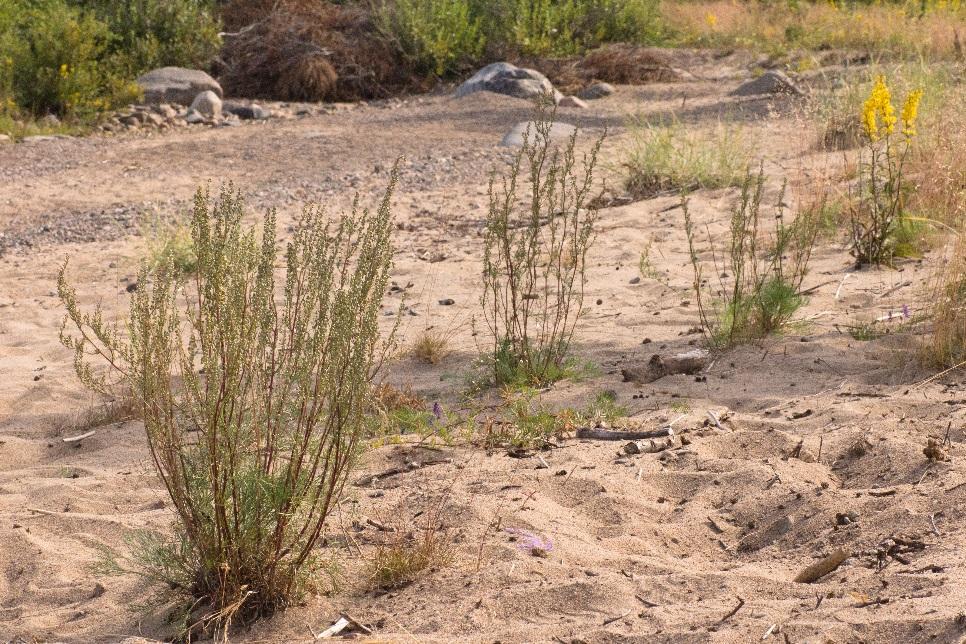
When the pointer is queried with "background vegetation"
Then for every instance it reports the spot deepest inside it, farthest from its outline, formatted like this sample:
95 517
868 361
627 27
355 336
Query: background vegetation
74 59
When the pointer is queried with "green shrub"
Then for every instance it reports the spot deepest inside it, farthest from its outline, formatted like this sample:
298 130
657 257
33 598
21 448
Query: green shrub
567 27
534 258
154 33
253 400
760 277
671 157
438 36
56 59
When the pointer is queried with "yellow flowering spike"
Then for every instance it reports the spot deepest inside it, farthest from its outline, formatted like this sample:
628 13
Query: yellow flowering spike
879 106
63 70
910 111
869 123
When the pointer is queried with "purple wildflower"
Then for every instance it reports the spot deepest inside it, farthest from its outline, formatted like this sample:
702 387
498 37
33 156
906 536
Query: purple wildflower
530 542
438 410
905 311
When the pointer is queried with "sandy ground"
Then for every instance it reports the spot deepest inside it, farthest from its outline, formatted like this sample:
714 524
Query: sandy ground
648 548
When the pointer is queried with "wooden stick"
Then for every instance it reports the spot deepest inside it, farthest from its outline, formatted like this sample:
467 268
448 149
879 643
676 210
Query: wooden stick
821 568
335 629
79 437
731 613
611 435
408 467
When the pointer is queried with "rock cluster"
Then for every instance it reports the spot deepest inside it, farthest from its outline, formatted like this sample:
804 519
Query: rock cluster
206 109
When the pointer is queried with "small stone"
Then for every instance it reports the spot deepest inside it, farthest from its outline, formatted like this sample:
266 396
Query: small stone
194 117
208 104
246 112
596 91
447 301
166 111
558 132
572 101
635 280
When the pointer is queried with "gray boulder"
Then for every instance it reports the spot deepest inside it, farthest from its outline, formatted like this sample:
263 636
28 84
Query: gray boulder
176 85
595 91
208 104
558 132
504 78
771 82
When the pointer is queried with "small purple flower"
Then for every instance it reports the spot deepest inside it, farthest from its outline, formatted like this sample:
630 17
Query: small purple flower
905 311
530 542
438 410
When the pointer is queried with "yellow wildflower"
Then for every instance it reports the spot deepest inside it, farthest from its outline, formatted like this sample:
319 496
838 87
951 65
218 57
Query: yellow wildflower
910 111
878 106
63 70
711 19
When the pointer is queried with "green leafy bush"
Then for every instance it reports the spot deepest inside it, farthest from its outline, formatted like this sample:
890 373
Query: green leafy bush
253 398
154 33
56 62
438 36
567 27
78 58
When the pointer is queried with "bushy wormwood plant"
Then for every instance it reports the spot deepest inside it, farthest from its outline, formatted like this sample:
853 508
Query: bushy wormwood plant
253 398
877 205
760 277
535 255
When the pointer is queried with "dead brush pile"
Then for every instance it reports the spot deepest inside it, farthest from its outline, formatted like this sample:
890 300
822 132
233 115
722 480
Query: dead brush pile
620 63
299 50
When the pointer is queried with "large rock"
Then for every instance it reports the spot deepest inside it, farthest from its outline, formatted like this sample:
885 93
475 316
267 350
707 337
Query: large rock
176 85
771 82
504 78
558 132
208 104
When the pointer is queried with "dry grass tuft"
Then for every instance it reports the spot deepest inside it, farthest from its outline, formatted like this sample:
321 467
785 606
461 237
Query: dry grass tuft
404 558
392 398
947 345
431 346
627 64
116 410
896 28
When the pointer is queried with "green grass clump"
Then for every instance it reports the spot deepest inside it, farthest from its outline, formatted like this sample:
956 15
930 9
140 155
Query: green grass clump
671 157
170 246
253 397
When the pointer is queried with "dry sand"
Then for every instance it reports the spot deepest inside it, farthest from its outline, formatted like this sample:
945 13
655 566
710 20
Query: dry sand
648 548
